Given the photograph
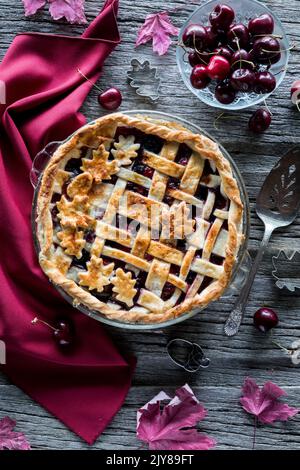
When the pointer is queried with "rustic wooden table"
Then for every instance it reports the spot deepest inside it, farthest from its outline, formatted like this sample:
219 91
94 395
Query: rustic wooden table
248 354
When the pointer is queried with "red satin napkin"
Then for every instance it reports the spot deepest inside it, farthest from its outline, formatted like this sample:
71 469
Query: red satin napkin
44 92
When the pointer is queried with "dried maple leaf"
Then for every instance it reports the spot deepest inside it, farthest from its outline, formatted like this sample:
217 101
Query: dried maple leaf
263 403
165 429
72 10
9 439
32 6
157 27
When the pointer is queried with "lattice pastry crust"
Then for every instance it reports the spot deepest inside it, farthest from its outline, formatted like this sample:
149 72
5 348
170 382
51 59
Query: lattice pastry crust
116 173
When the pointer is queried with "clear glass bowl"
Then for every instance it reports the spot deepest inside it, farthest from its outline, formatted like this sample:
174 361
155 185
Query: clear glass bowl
243 259
245 9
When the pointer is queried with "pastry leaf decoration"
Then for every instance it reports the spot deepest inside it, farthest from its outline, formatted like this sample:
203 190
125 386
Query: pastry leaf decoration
72 241
125 150
99 166
97 275
74 213
124 287
80 185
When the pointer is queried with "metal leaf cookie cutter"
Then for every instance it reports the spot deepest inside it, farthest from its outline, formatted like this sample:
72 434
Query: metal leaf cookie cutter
144 80
189 356
286 270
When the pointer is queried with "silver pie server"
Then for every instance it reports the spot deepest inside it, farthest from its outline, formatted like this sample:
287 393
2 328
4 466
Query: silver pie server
277 206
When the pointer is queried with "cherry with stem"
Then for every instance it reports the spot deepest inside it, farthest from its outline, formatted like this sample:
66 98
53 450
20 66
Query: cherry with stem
109 99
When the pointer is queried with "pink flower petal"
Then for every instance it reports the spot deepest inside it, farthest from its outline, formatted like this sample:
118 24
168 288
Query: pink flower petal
32 6
72 10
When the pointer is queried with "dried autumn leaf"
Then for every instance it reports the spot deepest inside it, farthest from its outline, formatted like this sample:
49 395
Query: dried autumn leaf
9 439
264 404
166 428
72 10
157 27
32 6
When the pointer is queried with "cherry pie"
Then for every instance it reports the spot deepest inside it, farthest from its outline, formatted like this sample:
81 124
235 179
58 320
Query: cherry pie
139 219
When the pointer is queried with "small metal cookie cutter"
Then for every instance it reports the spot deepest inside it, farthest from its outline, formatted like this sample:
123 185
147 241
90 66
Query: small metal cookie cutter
189 356
144 79
286 270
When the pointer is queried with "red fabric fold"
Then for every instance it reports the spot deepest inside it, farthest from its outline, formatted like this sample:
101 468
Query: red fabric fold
44 93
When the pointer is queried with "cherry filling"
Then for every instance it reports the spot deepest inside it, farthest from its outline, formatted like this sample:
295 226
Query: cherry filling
136 188
152 143
143 169
175 270
183 154
54 212
173 183
81 263
55 197
90 236
73 166
168 291
215 259
201 192
168 200
181 245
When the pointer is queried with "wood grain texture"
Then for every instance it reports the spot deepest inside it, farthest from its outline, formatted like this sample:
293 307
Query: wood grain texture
250 353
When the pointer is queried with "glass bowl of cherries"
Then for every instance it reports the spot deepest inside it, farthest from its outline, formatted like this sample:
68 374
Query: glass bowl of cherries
232 55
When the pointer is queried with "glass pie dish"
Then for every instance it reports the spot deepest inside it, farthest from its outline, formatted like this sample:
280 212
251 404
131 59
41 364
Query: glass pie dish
42 160
245 10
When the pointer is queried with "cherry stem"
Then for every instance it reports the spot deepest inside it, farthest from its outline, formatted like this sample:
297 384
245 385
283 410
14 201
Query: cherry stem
254 432
267 107
242 60
298 105
269 35
280 50
88 80
37 320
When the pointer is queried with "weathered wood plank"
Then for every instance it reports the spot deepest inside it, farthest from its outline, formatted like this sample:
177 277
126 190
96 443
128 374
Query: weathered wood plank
250 353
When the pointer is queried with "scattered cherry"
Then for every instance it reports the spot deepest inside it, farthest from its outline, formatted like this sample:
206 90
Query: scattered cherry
110 99
195 35
199 77
260 121
218 68
221 17
224 92
265 319
242 80
63 331
238 36
263 24
63 334
266 50
265 82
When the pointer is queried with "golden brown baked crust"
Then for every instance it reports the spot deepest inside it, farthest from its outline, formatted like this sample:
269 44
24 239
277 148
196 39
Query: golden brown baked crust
87 192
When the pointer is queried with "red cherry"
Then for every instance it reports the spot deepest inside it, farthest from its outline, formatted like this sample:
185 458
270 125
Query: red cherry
242 80
260 121
63 333
211 38
198 58
224 92
110 99
224 52
265 319
265 82
241 59
266 50
263 24
221 17
238 36
199 77
195 35
218 68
